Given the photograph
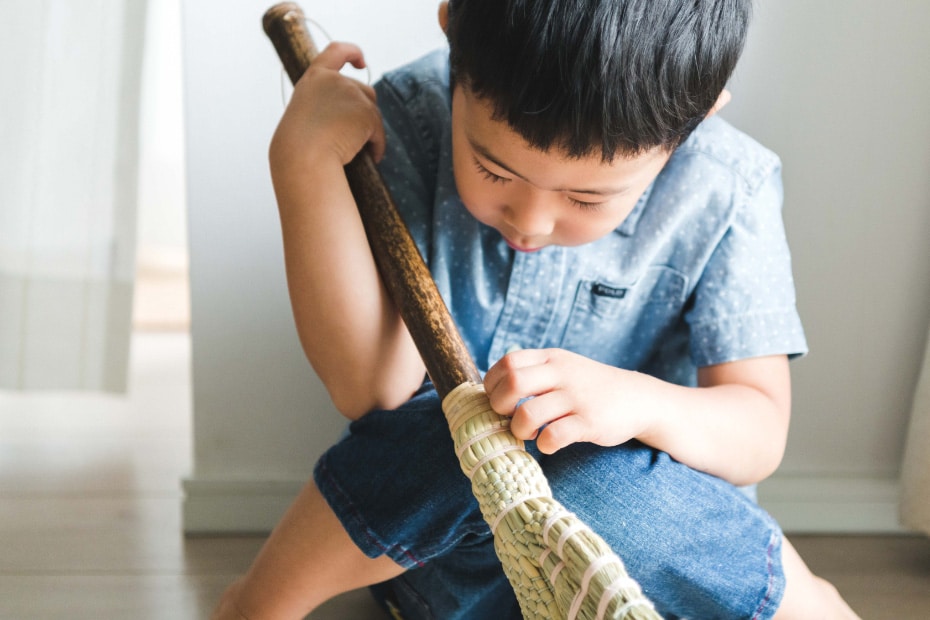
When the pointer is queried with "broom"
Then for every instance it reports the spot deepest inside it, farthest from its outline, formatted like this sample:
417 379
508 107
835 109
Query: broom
557 566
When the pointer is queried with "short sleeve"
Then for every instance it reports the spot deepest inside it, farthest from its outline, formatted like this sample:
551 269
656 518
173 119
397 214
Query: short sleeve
744 304
413 109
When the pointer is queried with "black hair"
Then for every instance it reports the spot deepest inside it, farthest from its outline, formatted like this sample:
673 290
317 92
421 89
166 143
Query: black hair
615 76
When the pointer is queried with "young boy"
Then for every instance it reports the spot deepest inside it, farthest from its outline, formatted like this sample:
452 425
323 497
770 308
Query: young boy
616 261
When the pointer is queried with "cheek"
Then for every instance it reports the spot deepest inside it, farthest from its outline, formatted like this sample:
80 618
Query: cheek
584 228
475 195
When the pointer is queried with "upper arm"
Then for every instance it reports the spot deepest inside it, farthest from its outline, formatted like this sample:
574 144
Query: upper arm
768 375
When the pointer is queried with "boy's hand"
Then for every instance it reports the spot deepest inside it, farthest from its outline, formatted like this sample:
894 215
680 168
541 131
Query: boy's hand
574 397
733 425
330 114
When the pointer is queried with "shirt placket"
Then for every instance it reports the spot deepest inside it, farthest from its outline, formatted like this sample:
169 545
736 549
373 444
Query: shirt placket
534 293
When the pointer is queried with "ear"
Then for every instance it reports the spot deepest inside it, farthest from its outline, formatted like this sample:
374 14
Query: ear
444 15
722 99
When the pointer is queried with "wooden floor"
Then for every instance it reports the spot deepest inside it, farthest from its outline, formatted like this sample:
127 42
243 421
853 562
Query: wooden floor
90 514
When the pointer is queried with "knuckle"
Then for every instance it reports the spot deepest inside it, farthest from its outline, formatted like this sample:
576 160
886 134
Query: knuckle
512 382
530 410
508 362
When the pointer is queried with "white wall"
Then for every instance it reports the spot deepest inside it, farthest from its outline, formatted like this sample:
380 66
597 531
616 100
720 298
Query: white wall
840 95
841 91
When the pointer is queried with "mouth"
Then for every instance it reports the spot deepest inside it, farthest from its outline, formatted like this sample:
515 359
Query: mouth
518 248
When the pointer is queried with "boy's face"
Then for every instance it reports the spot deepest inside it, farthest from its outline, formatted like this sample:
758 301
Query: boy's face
536 198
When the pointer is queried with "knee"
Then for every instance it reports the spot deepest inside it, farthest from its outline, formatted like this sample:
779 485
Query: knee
694 543
627 486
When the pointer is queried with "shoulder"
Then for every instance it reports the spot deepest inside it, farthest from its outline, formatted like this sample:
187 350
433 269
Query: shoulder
416 107
416 111
718 146
425 80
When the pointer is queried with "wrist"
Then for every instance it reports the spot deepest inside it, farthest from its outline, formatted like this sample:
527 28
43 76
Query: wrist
652 408
289 152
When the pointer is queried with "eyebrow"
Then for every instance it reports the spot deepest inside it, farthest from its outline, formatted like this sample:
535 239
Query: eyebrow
485 153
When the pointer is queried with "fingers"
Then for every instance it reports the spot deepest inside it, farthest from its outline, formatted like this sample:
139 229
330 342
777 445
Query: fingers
519 375
334 57
377 141
534 413
333 113
558 398
552 396
337 54
525 385
561 433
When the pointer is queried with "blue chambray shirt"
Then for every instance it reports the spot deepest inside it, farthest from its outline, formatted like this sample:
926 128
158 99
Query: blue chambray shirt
699 273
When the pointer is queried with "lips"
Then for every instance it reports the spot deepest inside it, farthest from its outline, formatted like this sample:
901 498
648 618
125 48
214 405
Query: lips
518 248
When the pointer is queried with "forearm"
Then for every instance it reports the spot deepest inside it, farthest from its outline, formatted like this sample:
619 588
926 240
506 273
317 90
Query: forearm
347 325
349 329
734 430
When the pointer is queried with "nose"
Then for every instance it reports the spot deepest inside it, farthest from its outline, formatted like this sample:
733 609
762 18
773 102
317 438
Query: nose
530 216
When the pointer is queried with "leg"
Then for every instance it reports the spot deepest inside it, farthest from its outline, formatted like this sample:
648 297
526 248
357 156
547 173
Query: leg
387 498
809 596
397 488
308 559
698 547
465 584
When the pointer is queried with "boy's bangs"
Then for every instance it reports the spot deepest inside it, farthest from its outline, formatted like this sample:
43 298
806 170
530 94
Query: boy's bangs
597 76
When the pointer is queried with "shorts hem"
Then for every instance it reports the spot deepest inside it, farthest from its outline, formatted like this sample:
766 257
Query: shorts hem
354 524
775 586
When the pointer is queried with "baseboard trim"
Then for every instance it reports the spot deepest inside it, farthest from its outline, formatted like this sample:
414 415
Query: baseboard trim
220 506
833 504
801 504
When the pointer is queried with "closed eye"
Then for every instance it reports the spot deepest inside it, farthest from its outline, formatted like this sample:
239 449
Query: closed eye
496 178
487 174
591 206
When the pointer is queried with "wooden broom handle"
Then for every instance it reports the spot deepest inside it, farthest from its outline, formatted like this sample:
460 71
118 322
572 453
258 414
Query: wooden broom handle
405 275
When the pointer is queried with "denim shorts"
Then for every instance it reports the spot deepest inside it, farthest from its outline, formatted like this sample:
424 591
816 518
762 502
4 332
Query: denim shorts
699 547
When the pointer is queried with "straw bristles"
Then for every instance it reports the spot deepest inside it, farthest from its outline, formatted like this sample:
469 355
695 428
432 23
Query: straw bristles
558 567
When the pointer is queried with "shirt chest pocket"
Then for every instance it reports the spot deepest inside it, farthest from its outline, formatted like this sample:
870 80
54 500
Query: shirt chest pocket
619 323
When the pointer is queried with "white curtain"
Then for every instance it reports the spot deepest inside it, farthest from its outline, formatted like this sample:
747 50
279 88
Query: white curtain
69 103
915 473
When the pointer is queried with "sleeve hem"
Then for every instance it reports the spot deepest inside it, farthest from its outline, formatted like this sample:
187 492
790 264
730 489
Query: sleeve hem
733 338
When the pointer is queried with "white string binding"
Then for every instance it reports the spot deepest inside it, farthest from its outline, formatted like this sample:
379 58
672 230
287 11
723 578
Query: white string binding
608 594
555 516
572 529
589 573
510 508
500 427
555 572
464 396
491 455
543 557
636 602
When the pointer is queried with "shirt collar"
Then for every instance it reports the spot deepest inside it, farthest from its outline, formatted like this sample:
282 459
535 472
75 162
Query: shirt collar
628 226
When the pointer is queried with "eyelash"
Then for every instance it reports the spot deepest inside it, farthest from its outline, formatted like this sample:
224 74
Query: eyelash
588 206
488 175
496 178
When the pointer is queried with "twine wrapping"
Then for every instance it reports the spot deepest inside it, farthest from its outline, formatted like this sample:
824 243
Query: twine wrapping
558 567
